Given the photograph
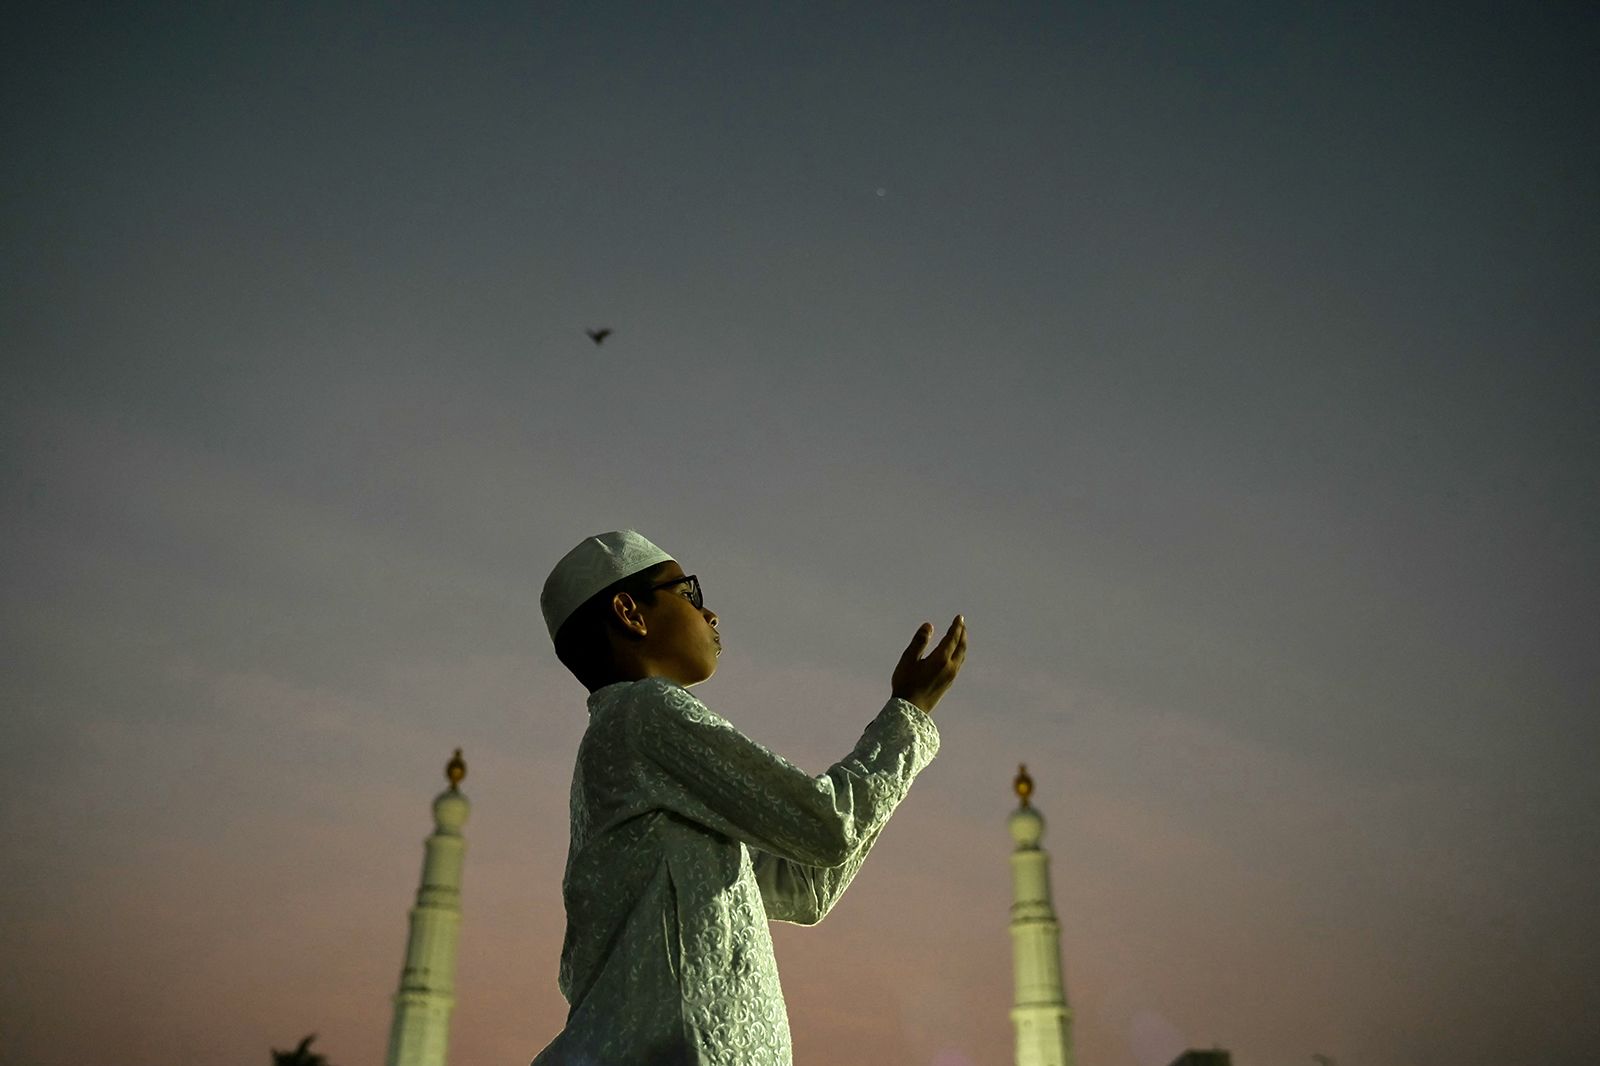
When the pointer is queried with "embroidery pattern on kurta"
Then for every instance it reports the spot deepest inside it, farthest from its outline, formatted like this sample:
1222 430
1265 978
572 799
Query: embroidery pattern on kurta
687 838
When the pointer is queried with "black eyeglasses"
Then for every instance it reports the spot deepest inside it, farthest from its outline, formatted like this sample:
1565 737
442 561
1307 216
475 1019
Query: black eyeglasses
695 596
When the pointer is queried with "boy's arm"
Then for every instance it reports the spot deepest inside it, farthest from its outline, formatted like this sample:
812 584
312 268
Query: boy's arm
711 773
795 892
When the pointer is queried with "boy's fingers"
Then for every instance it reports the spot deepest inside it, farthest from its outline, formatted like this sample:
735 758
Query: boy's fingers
919 640
954 637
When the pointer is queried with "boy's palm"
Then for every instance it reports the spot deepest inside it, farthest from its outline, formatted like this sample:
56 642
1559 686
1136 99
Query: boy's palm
923 680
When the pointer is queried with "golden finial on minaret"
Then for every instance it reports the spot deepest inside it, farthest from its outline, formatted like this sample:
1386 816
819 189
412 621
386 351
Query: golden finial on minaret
1023 784
455 770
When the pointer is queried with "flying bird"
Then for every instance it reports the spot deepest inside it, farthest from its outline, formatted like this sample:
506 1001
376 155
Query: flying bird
598 335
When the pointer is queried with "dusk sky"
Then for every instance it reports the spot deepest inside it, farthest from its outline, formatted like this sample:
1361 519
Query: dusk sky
1231 366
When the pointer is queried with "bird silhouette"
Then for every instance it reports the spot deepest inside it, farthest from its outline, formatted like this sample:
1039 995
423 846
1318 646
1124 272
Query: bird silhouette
598 335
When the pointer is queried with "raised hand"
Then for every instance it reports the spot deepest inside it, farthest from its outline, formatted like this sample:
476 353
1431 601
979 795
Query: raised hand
923 680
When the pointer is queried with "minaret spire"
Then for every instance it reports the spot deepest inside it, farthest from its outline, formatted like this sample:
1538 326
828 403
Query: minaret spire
421 1031
1040 1014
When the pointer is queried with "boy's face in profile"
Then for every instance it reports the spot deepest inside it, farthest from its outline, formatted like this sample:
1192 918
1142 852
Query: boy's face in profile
681 638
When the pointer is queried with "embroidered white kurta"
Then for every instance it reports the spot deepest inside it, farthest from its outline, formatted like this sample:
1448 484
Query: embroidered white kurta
687 838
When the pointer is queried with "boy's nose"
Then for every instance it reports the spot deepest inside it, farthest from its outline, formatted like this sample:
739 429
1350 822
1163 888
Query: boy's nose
711 616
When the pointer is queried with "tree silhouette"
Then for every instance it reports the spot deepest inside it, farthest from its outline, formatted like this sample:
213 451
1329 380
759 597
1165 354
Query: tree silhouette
300 1056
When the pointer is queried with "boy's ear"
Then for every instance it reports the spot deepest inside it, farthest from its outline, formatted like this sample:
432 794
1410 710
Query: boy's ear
627 612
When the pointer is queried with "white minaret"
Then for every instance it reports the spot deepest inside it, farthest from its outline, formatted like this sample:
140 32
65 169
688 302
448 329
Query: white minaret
1040 1013
420 1035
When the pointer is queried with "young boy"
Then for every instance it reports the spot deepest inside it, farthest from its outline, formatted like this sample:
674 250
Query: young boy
688 837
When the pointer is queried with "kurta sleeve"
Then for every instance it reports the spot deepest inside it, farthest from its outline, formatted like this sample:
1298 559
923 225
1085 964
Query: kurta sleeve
802 894
813 832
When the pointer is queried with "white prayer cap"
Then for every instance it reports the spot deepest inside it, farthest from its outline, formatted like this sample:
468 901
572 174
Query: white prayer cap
599 561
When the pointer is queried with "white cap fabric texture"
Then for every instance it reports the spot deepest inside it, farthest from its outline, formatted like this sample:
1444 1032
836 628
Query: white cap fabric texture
599 561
